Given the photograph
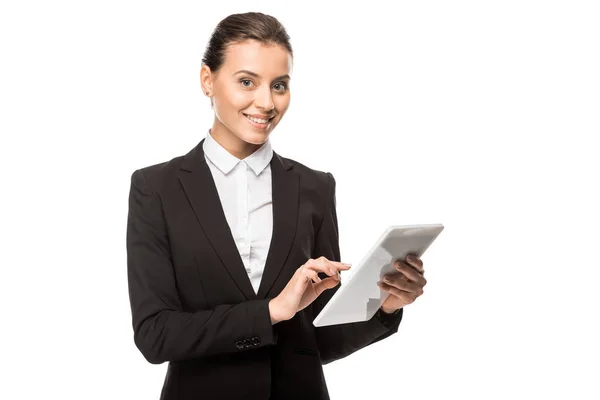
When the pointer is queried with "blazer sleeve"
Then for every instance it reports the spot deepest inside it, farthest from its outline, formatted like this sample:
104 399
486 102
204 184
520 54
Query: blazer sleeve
338 341
162 330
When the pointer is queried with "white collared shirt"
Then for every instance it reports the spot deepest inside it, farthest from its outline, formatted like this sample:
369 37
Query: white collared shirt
245 191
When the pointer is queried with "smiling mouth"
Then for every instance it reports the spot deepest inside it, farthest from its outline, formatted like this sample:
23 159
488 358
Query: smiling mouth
258 120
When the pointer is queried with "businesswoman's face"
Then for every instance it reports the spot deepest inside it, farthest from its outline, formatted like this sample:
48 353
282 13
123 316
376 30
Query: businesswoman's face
250 94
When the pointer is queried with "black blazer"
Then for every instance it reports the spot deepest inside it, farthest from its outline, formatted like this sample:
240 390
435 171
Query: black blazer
193 304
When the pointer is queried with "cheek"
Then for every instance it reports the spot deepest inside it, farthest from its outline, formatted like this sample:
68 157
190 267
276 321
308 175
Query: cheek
282 103
232 101
239 100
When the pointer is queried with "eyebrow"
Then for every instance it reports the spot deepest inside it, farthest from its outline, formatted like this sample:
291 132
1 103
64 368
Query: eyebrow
254 74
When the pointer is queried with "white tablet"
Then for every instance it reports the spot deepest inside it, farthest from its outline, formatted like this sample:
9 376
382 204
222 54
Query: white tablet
359 298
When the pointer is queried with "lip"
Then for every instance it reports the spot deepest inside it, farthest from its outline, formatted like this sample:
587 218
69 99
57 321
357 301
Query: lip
257 125
267 117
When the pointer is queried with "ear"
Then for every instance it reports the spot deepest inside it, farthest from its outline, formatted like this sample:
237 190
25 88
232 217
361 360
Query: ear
206 80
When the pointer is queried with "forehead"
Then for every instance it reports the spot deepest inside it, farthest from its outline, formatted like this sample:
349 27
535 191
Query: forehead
265 60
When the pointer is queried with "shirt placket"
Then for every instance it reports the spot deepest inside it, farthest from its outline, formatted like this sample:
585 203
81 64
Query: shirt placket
243 213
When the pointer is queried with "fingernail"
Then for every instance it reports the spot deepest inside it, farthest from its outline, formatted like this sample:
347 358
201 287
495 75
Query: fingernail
332 271
386 279
347 265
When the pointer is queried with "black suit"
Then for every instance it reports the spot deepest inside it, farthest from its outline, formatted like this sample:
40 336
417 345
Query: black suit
192 301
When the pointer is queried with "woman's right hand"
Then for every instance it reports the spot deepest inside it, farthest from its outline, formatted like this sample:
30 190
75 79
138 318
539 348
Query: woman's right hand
305 286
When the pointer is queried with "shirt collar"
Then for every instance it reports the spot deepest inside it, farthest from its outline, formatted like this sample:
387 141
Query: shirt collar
226 161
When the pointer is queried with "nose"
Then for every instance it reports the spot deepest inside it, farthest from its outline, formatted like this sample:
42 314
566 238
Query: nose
264 99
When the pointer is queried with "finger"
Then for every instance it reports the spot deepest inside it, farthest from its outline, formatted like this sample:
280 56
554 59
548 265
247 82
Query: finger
333 266
336 264
406 286
414 261
337 268
406 297
322 265
318 266
320 284
325 284
411 273
341 265
313 275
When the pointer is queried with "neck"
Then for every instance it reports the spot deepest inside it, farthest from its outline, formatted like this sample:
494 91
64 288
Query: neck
232 143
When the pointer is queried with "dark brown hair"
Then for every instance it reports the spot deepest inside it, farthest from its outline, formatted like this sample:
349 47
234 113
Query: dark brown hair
237 28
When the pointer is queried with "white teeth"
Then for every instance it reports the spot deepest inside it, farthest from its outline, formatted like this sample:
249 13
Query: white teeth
258 121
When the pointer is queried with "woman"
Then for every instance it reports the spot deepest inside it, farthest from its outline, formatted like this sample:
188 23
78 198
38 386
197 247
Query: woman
233 250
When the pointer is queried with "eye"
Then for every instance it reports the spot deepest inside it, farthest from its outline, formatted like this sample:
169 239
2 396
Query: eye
282 85
245 80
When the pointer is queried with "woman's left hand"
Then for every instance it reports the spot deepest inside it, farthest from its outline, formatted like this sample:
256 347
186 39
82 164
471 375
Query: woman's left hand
405 286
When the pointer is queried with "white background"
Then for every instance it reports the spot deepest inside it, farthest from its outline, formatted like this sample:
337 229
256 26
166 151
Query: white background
481 115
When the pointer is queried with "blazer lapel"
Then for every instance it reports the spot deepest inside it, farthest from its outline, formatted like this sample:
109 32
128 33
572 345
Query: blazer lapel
199 186
285 220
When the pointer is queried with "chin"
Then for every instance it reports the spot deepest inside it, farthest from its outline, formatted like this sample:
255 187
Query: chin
257 138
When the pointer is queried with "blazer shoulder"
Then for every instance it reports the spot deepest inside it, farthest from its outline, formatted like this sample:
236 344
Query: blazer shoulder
156 176
317 178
